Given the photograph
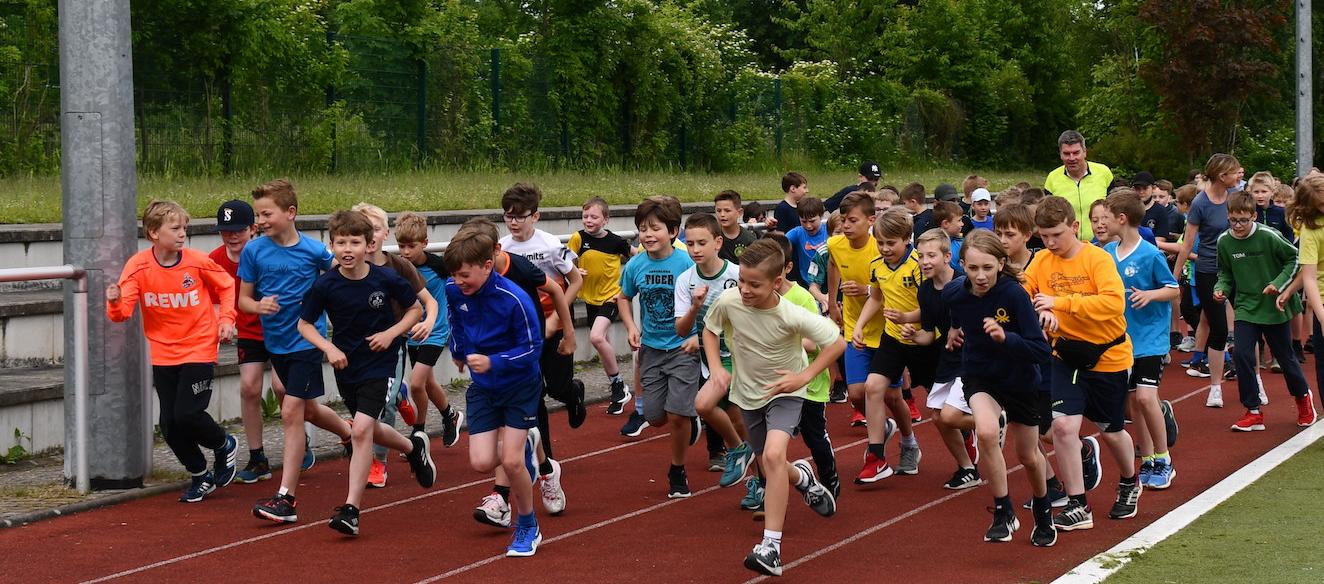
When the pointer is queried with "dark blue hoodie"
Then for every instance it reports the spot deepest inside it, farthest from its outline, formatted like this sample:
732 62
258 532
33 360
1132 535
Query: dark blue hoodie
1013 361
500 321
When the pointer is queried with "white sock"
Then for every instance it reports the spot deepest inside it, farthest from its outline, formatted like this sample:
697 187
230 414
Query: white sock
910 440
804 479
774 539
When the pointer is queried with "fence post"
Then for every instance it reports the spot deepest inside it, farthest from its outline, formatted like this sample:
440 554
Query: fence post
496 92
227 129
331 100
684 145
422 113
777 111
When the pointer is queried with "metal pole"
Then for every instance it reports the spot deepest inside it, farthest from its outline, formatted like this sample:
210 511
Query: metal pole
99 185
1305 117
82 478
777 109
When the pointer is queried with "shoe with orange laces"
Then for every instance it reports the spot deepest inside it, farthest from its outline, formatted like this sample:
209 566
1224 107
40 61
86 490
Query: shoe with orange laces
875 469
914 410
857 419
1250 422
377 474
1305 410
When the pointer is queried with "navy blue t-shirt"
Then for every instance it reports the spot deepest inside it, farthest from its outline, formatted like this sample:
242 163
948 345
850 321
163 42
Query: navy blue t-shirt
357 310
934 315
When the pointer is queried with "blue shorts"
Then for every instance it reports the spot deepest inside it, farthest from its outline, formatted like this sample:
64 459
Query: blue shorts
514 406
857 363
301 372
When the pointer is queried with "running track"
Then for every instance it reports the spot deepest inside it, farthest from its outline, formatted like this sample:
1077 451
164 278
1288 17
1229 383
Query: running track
619 525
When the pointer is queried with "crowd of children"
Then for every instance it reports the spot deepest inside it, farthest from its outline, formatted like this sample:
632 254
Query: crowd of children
1017 321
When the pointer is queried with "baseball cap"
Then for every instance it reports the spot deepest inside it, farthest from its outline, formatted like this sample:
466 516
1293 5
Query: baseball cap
1142 179
945 192
980 194
234 215
871 171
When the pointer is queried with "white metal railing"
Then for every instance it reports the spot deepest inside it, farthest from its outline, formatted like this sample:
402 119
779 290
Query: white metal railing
628 235
79 277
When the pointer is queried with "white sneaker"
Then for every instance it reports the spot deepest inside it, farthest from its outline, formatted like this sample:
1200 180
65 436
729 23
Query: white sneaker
553 497
494 511
1187 345
1215 399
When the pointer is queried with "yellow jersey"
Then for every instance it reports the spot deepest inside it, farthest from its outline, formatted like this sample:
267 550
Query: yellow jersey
900 287
856 265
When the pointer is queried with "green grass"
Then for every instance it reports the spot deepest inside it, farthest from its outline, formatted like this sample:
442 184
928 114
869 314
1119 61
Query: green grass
1268 532
37 199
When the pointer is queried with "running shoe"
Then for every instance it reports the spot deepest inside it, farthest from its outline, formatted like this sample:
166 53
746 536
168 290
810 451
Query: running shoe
765 560
408 414
1146 470
1128 501
753 494
678 484
346 519
377 474
1300 354
1004 525
1249 422
717 461
198 489
420 460
526 540
1187 345
1091 469
914 410
576 410
634 426
963 478
857 419
1174 339
1200 370
837 394
1162 476
1169 422
736 464
1215 399
1308 346
971 446
1230 372
553 496
493 510
1044 534
620 395
450 426
696 430
1074 517
833 484
1274 366
1057 498
875 469
258 469
279 508
532 442
1305 410
910 456
816 496
310 457
226 462
1194 360
1002 429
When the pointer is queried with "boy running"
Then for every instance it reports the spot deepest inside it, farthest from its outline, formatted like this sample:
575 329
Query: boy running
806 238
601 254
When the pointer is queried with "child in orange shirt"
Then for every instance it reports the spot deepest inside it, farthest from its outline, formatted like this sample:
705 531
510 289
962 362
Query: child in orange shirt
178 288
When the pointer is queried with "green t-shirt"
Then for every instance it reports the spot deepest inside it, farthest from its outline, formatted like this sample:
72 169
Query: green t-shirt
1246 266
818 388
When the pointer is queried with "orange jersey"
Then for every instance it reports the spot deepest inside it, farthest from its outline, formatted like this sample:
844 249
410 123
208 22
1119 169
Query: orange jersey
179 303
1090 302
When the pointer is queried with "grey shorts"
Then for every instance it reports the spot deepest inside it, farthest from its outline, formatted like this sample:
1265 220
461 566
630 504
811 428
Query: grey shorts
670 381
782 414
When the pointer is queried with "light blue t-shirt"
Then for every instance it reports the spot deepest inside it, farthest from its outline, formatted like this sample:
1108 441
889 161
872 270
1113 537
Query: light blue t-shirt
956 255
806 246
654 282
286 273
441 329
1145 268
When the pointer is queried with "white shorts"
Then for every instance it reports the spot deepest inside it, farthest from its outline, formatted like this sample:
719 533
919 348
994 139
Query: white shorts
950 394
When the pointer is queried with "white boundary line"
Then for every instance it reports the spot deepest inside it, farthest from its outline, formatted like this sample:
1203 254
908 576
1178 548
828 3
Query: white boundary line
1101 566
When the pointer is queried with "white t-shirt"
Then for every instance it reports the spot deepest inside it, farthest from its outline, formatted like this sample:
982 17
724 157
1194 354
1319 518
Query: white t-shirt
545 251
725 279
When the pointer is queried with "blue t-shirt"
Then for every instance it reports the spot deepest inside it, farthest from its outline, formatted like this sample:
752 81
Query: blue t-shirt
286 273
1212 222
956 255
436 285
985 224
654 282
1145 268
1146 234
806 246
359 309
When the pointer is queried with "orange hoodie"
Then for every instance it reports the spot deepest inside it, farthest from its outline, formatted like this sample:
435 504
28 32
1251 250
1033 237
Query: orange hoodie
179 304
1090 303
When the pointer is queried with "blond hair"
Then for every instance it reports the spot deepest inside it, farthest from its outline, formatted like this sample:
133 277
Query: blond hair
894 222
410 228
372 211
158 211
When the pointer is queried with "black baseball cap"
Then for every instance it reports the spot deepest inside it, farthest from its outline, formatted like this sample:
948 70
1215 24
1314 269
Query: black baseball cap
1142 179
234 215
871 171
946 192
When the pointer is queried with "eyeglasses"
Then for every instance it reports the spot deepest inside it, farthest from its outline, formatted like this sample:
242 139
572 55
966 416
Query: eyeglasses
517 218
1242 221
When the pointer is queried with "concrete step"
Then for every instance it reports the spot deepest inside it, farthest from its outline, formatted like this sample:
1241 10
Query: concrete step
31 328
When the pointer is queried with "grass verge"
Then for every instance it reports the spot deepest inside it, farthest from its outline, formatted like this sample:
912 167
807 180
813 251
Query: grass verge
37 199
1266 533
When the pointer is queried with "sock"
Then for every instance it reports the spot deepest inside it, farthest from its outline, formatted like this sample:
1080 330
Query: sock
774 539
1002 503
420 428
527 520
639 404
803 483
1127 481
545 468
909 441
283 492
1149 458
1079 500
503 491
257 454
616 378
1043 510
876 450
1162 456
198 474
448 411
1054 484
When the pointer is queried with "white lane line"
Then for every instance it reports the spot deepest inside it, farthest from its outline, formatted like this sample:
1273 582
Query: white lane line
1099 567
289 530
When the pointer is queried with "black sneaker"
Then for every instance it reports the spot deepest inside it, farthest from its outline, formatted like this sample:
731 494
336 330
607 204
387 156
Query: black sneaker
1004 525
963 478
1128 501
1169 422
258 469
620 395
1200 370
696 430
1057 498
279 509
837 394
679 484
1073 517
634 426
227 462
815 494
833 484
450 426
1044 535
197 490
1300 354
346 519
764 560
420 460
575 409
1091 469
1229 372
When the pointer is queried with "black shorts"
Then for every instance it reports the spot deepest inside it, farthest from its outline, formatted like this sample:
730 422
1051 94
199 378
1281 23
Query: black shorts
1100 397
365 397
608 311
1045 412
251 351
1022 406
893 357
425 354
301 372
1147 371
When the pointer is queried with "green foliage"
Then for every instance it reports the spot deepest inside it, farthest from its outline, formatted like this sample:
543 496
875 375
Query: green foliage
17 452
270 405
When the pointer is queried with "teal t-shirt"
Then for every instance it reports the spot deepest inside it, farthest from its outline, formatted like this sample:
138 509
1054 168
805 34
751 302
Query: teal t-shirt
653 282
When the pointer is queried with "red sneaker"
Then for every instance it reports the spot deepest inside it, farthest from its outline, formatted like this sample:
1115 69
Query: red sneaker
972 448
857 419
914 411
407 412
377 474
1305 410
875 469
1249 422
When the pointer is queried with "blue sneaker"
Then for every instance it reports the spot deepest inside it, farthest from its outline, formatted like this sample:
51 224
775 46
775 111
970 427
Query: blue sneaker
1162 476
226 461
1146 470
753 494
1091 470
201 486
258 469
737 464
1196 357
309 458
526 540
